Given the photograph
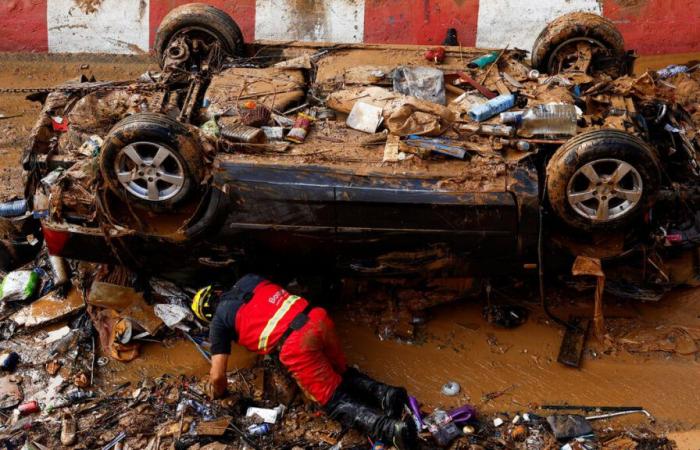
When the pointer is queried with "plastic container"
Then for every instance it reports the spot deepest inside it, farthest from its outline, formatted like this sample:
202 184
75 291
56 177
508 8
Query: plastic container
489 109
483 61
13 209
548 120
425 83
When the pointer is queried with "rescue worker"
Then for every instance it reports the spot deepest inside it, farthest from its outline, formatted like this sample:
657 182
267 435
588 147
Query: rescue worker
264 318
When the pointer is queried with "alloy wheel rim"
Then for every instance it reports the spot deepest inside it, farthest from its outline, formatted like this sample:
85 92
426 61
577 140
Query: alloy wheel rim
605 190
149 171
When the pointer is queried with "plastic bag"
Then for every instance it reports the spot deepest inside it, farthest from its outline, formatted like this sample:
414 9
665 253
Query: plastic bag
173 315
19 286
424 83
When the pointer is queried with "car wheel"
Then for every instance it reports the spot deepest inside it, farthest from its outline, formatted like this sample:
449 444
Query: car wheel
196 22
151 159
570 41
602 180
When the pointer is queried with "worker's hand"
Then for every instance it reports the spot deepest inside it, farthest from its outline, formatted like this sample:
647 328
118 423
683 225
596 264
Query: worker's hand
216 388
217 376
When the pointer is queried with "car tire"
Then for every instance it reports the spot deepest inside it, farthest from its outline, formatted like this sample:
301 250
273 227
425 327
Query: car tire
571 28
152 160
198 17
602 180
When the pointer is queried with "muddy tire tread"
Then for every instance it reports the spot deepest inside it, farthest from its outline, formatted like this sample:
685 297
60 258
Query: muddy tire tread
202 15
158 128
600 144
572 25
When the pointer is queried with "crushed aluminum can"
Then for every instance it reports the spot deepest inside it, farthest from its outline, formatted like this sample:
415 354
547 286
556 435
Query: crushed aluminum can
325 113
243 133
259 430
273 133
29 408
301 128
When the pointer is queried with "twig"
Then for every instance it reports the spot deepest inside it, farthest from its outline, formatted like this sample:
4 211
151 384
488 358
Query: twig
94 355
494 395
290 111
495 63
329 139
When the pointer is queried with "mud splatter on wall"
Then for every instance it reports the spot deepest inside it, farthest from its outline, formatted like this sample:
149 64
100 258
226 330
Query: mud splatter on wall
310 20
106 26
127 26
88 6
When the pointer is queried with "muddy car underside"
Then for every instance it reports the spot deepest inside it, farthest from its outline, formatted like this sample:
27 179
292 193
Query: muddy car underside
176 166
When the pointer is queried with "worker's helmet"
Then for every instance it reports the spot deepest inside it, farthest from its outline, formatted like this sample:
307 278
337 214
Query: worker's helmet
204 304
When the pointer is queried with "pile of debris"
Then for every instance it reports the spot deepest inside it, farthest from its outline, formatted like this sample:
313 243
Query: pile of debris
60 333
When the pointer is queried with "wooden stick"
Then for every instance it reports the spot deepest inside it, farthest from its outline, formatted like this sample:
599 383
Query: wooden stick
495 63
598 319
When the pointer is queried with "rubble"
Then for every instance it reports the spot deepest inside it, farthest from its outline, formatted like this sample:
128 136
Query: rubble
388 116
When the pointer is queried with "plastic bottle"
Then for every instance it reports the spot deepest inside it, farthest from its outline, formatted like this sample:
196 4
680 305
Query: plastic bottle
546 120
672 70
13 209
483 61
489 109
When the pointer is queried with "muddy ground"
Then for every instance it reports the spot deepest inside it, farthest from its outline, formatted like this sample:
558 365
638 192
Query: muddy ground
647 362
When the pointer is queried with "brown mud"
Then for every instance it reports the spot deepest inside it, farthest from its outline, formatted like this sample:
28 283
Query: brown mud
457 343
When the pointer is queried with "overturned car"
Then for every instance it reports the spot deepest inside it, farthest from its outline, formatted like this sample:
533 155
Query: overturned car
246 155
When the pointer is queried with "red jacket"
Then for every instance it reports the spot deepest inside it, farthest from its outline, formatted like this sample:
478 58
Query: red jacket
262 320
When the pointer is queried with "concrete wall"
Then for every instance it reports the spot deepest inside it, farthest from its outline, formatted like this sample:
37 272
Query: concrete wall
128 26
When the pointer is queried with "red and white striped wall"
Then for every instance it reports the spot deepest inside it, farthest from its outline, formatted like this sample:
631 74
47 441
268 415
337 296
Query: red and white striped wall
128 26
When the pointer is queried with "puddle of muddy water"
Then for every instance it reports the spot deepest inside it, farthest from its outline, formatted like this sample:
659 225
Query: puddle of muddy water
172 358
484 359
524 358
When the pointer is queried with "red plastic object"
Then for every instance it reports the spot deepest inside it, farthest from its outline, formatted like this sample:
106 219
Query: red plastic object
436 55
60 124
29 408
479 87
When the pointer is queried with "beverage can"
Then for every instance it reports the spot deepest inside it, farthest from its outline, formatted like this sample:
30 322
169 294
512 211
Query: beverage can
259 430
29 408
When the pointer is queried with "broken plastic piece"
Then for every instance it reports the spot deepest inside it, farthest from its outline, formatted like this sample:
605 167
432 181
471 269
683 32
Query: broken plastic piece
59 124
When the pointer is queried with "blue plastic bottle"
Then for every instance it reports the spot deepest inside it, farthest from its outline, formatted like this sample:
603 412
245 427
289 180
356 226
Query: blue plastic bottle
494 106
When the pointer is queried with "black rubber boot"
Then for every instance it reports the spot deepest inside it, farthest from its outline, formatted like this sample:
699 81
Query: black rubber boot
349 412
389 398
